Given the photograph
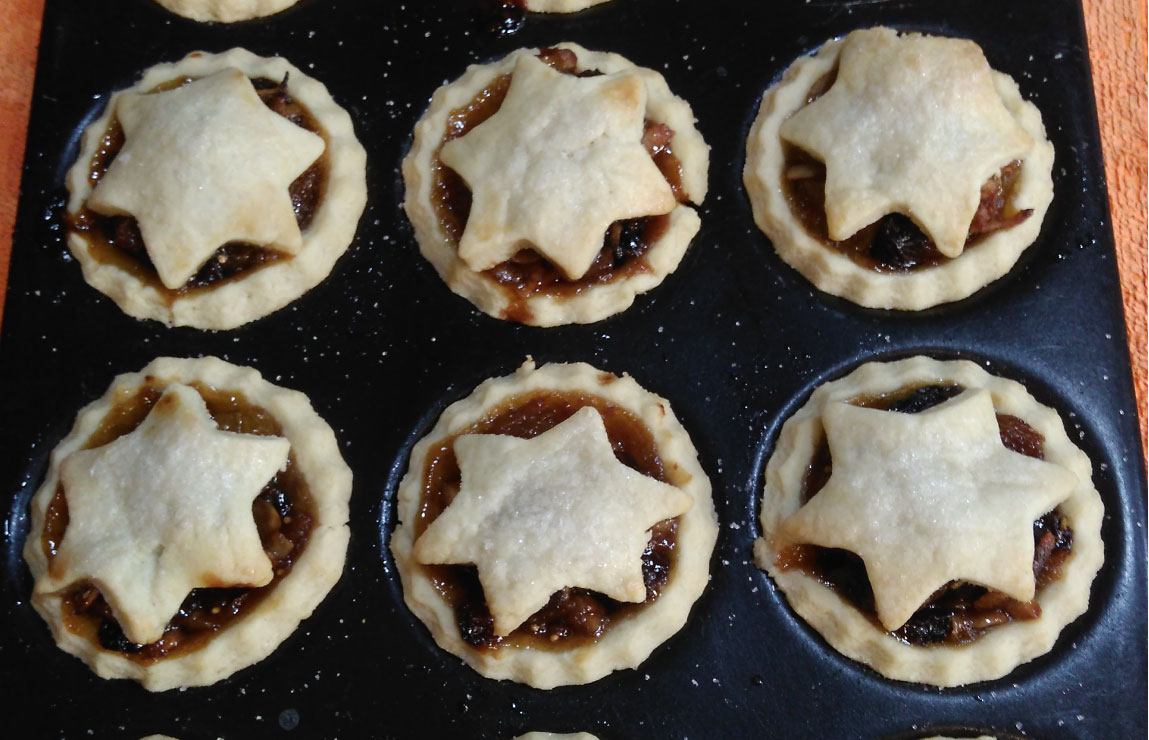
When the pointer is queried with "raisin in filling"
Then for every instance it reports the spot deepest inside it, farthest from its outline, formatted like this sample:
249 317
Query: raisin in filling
574 616
116 240
894 243
959 612
284 516
527 274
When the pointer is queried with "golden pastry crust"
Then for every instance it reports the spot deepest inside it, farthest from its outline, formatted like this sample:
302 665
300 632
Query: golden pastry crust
1001 649
628 642
834 272
270 287
595 302
294 598
225 11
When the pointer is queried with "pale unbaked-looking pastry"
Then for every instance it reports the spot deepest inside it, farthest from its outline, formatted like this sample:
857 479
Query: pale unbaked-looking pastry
225 11
520 479
931 520
552 186
560 6
898 170
216 190
192 475
556 736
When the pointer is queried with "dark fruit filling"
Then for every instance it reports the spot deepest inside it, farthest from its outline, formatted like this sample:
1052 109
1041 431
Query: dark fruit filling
959 612
528 274
574 616
284 514
894 243
117 240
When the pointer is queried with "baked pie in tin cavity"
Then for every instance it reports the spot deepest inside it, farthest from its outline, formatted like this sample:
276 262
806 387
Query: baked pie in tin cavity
931 520
215 191
898 170
554 526
225 11
554 185
192 518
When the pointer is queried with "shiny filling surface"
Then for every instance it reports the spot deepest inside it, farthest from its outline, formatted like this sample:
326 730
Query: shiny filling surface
959 612
894 243
574 616
116 240
528 274
284 515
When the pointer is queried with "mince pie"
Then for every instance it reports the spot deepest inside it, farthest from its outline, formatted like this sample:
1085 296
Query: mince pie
552 186
215 191
191 519
554 526
225 11
898 170
556 736
931 520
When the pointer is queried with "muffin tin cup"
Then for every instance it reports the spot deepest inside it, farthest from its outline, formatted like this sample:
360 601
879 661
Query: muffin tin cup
735 339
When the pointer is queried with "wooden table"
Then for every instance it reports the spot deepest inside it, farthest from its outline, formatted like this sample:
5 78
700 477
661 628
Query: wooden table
1117 50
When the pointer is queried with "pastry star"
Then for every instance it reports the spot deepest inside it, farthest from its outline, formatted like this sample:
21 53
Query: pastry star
929 498
912 125
203 165
559 162
539 515
165 509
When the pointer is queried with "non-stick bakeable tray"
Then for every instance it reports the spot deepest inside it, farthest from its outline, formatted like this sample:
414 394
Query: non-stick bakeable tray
735 339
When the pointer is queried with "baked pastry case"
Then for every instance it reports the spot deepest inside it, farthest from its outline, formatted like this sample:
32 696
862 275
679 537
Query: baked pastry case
734 338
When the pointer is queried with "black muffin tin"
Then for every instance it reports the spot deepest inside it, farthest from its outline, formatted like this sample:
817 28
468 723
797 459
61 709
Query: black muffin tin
735 339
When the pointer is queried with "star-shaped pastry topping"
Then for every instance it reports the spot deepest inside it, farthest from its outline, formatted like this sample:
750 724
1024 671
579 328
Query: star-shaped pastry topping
165 509
539 515
911 125
929 498
203 165
559 162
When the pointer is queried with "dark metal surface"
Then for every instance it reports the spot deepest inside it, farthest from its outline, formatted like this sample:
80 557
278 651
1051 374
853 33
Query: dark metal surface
735 339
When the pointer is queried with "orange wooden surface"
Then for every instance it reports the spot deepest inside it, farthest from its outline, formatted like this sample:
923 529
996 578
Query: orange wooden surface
1117 47
19 38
